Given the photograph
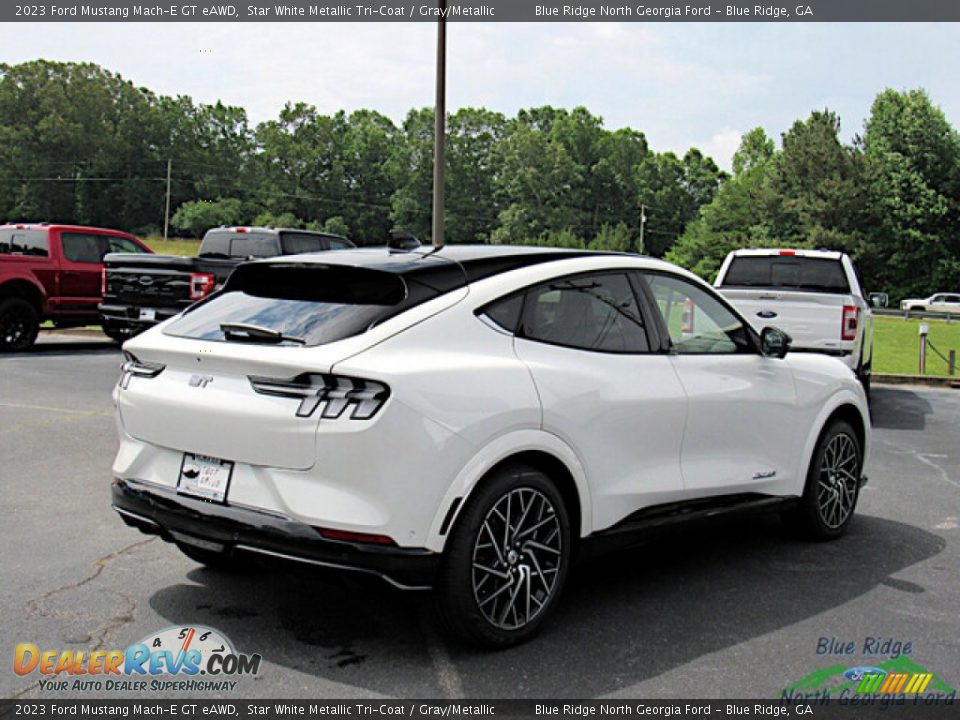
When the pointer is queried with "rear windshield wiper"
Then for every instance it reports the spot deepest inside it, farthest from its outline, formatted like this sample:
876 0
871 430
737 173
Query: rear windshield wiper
256 333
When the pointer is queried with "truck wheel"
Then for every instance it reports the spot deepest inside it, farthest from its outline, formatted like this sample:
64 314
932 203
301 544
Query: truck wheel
19 324
118 335
833 485
506 560
865 376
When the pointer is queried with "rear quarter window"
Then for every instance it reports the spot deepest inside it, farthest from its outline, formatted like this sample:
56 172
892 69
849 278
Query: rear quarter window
788 272
32 243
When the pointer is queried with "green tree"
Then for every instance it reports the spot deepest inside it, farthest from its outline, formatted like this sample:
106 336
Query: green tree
612 238
196 217
913 185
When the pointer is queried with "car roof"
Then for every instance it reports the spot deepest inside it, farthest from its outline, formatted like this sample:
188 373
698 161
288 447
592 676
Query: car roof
474 262
270 230
755 252
61 226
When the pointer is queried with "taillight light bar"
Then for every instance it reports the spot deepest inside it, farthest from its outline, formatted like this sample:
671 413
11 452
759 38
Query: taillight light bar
849 322
132 367
200 285
335 392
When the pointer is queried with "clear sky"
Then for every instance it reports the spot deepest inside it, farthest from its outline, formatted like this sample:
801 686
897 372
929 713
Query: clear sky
682 84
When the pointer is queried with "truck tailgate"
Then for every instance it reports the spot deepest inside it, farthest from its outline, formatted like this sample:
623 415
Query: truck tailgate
154 280
813 320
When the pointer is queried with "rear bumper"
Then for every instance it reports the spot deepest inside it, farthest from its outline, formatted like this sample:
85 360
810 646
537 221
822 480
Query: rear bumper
128 316
265 537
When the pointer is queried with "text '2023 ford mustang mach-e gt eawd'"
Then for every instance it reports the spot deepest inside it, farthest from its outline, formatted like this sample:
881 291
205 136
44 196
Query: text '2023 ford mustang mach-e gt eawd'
464 418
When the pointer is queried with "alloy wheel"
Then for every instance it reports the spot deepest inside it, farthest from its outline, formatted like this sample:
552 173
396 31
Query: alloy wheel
838 480
516 558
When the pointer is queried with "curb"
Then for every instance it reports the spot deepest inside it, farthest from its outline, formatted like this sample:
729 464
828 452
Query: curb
932 381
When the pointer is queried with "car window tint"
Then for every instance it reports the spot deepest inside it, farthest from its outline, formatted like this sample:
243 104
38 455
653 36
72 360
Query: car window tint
697 322
792 272
505 312
82 247
251 245
121 245
589 312
24 242
296 243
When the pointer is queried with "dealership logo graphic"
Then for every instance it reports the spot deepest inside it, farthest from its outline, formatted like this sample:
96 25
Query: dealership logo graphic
177 651
896 677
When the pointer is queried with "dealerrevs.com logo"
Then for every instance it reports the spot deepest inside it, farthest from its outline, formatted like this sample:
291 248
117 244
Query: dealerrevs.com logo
190 659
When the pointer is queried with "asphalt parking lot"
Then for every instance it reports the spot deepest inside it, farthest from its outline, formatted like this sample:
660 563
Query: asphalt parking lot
727 610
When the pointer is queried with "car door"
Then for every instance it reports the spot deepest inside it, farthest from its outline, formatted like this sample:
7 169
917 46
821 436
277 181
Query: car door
80 270
740 429
605 388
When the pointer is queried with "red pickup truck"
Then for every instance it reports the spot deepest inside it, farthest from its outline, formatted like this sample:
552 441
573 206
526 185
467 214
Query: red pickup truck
53 272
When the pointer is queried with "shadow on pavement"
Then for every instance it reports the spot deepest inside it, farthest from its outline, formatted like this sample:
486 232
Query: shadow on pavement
896 408
624 618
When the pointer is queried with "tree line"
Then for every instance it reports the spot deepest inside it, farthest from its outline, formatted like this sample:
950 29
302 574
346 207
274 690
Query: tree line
79 143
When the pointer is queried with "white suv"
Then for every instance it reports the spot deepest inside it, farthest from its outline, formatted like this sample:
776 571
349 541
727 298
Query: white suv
467 419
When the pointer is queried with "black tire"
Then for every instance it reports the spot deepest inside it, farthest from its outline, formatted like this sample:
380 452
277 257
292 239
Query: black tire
864 374
19 324
473 603
833 485
118 335
219 561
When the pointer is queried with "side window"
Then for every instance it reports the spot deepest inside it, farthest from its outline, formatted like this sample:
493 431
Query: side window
589 312
697 322
295 244
24 242
82 248
504 313
121 245
339 244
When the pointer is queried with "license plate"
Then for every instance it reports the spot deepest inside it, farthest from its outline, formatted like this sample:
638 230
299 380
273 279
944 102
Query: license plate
204 477
148 314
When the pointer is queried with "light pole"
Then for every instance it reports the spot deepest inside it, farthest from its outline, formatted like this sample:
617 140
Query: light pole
439 127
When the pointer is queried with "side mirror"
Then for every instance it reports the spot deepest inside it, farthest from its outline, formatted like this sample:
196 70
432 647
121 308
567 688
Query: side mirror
879 300
774 342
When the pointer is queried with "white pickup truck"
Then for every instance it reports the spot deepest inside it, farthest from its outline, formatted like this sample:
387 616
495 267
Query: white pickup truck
815 296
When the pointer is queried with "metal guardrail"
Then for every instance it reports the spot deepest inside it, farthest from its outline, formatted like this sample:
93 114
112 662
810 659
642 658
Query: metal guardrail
911 314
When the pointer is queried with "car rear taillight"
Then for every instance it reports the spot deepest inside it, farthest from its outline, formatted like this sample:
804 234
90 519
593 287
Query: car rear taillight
132 367
788 253
103 281
849 322
335 392
200 285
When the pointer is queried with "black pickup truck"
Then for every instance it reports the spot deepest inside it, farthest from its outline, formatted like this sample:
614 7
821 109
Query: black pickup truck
144 290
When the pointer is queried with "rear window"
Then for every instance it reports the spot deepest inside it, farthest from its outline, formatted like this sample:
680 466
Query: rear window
316 305
789 272
233 244
24 242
